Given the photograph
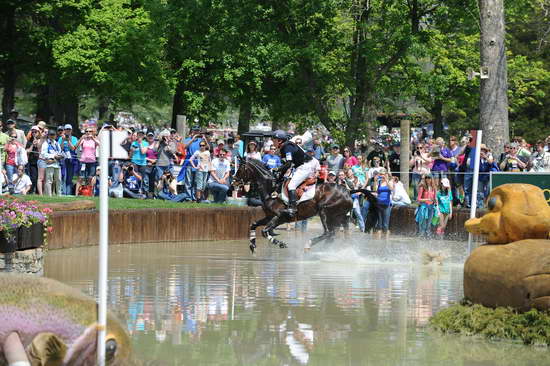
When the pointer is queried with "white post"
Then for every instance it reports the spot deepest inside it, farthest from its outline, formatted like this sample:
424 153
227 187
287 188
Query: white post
103 245
473 202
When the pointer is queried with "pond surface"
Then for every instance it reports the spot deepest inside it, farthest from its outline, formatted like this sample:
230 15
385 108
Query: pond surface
355 302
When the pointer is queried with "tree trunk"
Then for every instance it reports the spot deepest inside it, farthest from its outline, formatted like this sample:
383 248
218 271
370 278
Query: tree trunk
103 108
245 115
437 112
64 106
493 90
177 104
10 74
43 109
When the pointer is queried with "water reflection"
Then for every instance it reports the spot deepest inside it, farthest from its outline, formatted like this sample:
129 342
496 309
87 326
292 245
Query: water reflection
212 303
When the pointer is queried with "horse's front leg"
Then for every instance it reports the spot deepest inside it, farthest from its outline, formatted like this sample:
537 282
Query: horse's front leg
253 227
266 232
323 236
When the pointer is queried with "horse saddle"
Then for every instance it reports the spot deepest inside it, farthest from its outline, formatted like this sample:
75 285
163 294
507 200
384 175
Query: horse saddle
304 192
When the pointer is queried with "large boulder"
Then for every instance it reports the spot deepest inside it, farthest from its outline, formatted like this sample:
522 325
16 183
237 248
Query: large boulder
515 275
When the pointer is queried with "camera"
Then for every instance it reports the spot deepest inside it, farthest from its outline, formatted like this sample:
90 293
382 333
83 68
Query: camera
130 168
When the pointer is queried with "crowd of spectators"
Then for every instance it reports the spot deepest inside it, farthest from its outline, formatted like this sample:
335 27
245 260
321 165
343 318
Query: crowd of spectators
164 165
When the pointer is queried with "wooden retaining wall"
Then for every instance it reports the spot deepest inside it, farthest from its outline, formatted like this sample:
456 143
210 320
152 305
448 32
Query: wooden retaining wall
81 228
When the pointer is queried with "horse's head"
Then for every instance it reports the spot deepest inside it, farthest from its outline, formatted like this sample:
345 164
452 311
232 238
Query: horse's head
244 173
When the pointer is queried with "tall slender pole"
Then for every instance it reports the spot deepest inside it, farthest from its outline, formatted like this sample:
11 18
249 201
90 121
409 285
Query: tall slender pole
474 185
405 153
103 245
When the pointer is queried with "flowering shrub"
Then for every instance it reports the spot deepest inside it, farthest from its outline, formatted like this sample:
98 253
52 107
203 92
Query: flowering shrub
15 214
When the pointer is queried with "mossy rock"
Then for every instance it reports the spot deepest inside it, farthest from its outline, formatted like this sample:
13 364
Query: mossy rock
530 328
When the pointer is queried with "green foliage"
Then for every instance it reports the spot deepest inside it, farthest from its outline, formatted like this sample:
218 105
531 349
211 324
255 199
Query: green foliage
532 327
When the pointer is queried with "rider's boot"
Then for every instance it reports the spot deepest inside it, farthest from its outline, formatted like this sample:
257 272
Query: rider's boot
291 210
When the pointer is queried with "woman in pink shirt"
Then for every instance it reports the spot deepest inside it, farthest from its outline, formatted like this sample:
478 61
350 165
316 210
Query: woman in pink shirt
88 145
350 160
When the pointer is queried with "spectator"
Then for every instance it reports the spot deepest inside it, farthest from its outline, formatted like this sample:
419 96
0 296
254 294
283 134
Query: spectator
188 172
319 152
202 168
353 182
219 146
512 162
166 150
252 151
51 154
88 145
21 182
271 160
168 189
131 182
383 186
3 141
426 199
442 157
394 160
335 160
378 152
420 163
444 205
540 159
240 145
361 170
15 155
21 138
138 151
34 145
486 165
219 177
151 158
399 196
68 145
349 159
331 177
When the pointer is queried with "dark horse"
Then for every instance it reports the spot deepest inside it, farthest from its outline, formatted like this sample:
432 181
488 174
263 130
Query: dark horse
332 202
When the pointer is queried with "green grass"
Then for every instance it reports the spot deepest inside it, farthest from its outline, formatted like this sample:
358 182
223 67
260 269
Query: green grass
121 203
532 327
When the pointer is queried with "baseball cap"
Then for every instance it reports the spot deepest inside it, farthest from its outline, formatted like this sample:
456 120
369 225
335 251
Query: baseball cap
220 142
445 183
10 122
150 134
332 173
35 128
41 125
195 128
60 128
335 146
142 131
68 127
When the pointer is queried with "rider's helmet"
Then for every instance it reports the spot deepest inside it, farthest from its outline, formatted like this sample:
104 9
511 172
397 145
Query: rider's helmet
280 134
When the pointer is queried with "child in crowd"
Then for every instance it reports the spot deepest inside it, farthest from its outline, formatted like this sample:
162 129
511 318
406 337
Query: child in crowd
202 156
445 205
426 199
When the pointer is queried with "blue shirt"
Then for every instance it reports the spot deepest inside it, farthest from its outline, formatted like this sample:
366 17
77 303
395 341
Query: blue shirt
193 147
271 161
138 157
384 193
67 152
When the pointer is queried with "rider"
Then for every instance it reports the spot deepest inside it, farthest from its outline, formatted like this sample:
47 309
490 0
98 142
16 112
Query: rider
305 165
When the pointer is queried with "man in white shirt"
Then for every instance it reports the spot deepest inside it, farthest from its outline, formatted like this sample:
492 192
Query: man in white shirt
219 177
51 153
21 181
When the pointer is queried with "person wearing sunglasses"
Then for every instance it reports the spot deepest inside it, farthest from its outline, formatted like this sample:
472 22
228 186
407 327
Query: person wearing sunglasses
51 154
15 155
200 161
88 144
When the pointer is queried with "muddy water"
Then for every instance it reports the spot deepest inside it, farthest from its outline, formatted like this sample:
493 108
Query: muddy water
356 302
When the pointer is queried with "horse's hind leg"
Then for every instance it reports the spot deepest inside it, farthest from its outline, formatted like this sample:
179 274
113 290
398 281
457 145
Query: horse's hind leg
323 236
253 227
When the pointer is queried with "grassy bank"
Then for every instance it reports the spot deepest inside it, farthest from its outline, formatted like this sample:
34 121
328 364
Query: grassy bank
120 203
532 327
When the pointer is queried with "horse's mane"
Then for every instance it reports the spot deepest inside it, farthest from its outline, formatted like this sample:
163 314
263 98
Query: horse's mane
260 167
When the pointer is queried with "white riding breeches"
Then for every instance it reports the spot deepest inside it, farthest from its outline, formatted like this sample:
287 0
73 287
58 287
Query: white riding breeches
303 172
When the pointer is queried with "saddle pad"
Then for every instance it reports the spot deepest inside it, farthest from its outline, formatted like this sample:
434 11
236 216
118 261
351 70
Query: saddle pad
309 193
